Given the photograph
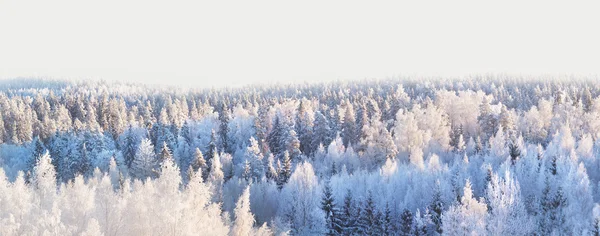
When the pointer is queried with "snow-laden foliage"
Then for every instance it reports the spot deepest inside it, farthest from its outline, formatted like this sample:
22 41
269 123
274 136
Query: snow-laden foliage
475 156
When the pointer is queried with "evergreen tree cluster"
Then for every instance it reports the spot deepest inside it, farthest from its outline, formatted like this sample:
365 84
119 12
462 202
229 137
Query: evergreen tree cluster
487 156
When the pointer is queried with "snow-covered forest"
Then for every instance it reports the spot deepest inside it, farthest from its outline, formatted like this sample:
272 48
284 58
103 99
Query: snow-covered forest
485 155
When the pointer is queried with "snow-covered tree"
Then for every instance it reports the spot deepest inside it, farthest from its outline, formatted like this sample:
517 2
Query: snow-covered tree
44 181
216 177
145 163
332 214
285 171
244 219
349 126
321 132
507 214
300 201
467 218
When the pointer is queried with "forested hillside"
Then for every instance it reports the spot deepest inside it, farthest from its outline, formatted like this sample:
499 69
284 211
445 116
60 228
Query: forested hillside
486 155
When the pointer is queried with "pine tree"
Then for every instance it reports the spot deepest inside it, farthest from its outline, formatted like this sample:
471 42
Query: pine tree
277 136
437 208
331 212
457 140
349 126
334 121
587 100
304 128
507 120
388 224
216 178
224 118
419 225
487 120
244 219
293 146
596 221
333 169
184 147
199 163
348 215
186 133
271 172
261 128
247 174
467 218
211 149
128 149
553 166
300 201
84 163
478 145
552 218
406 222
145 162
514 151
170 177
44 180
321 132
165 153
368 218
560 202
38 149
362 126
255 159
286 170
164 134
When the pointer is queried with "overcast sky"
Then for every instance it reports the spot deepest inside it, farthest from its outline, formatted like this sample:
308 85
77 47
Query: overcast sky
217 43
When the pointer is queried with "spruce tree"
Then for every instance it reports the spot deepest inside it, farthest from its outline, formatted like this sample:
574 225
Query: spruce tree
37 151
186 134
144 164
552 203
303 128
514 151
587 100
247 174
293 146
129 148
348 215
321 132
244 219
596 227
368 218
199 163
165 153
277 135
361 121
81 162
271 172
184 149
331 212
388 223
478 145
406 222
349 127
211 149
487 120
286 170
419 225
224 128
437 208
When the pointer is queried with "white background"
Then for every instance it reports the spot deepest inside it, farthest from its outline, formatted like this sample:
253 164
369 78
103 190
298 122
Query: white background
231 43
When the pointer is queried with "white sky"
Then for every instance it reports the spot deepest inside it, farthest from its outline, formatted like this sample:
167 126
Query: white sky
217 43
